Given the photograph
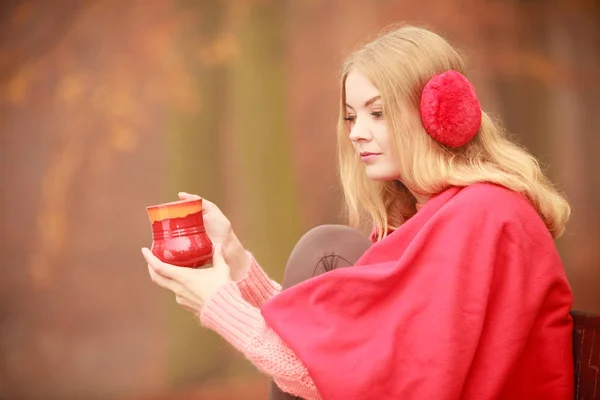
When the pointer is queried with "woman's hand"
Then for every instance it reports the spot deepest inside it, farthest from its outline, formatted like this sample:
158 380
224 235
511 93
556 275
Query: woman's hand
192 287
218 227
219 231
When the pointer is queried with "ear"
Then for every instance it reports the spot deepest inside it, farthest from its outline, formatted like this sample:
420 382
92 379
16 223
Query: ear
450 111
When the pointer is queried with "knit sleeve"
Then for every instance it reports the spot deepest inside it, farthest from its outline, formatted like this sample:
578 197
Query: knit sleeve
243 326
255 286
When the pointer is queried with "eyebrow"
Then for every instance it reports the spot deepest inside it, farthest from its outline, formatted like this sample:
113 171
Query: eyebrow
367 103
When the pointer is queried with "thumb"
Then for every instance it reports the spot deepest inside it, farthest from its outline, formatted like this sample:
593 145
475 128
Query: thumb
187 196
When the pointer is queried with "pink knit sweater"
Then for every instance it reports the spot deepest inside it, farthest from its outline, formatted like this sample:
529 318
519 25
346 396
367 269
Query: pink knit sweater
234 313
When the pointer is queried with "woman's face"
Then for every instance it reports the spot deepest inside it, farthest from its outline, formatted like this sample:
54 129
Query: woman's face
368 131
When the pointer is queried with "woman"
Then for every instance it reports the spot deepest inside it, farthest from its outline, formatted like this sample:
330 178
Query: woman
458 293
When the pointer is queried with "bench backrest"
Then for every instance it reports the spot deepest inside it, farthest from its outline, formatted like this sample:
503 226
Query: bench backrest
586 352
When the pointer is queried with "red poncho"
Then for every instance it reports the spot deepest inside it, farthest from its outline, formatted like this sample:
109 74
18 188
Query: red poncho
467 300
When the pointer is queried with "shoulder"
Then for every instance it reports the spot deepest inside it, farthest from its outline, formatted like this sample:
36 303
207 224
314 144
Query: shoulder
491 199
500 206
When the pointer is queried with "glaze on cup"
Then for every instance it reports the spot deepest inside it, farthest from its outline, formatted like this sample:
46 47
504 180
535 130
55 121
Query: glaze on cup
178 234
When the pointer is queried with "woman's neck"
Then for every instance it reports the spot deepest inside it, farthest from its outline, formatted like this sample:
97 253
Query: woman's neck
421 200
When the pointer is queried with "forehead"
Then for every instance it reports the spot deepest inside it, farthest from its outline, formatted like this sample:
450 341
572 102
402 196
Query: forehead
358 89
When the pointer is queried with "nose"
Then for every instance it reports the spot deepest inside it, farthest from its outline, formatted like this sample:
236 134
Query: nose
359 132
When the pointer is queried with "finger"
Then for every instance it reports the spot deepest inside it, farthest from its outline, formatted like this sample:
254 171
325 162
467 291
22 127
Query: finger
162 281
207 206
165 270
187 196
208 202
218 260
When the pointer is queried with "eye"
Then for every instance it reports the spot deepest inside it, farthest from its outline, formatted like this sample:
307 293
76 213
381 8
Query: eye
350 118
377 114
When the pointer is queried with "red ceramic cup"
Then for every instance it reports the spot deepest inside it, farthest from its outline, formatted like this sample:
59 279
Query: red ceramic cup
178 234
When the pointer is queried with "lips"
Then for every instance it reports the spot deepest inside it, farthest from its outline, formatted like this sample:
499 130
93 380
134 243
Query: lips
368 157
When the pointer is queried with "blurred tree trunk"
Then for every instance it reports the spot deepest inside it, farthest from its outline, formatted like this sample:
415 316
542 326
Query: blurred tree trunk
195 168
258 93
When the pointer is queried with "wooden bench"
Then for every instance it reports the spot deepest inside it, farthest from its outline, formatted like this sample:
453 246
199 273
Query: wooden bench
586 351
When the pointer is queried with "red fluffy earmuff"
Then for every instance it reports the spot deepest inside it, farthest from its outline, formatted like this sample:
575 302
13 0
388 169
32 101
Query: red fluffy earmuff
450 110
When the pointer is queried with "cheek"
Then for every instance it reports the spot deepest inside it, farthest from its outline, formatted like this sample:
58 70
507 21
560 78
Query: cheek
388 167
385 169
382 137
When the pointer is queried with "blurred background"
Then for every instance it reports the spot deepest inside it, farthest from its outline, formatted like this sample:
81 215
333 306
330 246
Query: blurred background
107 106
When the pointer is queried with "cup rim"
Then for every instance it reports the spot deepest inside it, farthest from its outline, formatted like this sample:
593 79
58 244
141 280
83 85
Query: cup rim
173 203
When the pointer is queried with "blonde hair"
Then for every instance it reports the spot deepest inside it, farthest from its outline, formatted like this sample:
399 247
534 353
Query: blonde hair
399 63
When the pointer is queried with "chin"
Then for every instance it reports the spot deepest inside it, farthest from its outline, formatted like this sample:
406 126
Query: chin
377 174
